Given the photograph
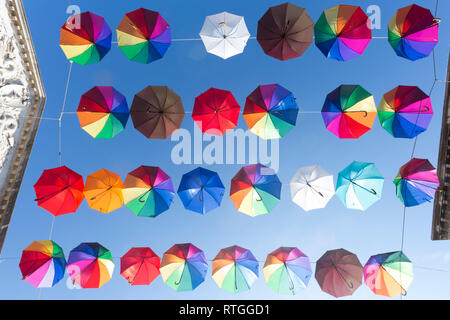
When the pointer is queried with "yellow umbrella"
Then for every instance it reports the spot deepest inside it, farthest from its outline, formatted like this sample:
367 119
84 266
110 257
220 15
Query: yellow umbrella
103 191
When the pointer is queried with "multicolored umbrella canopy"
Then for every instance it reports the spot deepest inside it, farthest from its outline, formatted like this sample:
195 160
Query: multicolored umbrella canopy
43 264
312 187
103 112
85 38
349 111
416 182
388 274
285 31
59 190
143 35
235 269
339 272
342 32
359 185
270 111
255 190
103 191
139 266
413 32
157 112
201 190
90 265
183 267
287 270
405 112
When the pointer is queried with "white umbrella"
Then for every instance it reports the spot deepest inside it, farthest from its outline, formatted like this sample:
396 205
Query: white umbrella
224 34
312 187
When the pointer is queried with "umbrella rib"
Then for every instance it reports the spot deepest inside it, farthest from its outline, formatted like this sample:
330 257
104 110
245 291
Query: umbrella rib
139 268
309 185
422 184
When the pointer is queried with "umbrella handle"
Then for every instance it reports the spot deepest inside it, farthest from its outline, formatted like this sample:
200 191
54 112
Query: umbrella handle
140 198
49 195
436 21
404 293
373 191
181 277
93 198
200 198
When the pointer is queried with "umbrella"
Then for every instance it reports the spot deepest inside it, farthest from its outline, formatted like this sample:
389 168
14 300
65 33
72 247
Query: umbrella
143 35
416 182
103 191
255 190
388 274
201 190
287 270
405 112
59 190
312 187
285 31
216 111
139 266
148 191
85 38
349 111
413 32
183 267
270 111
235 269
342 32
224 34
42 264
339 272
103 112
359 185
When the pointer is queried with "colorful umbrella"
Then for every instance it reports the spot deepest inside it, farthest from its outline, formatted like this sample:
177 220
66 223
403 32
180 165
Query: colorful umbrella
388 274
139 266
405 112
416 182
312 187
85 38
103 112
285 31
43 264
413 32
216 111
359 185
287 270
183 267
349 111
143 35
342 32
235 269
339 272
59 190
270 111
157 112
224 34
255 190
201 190
103 191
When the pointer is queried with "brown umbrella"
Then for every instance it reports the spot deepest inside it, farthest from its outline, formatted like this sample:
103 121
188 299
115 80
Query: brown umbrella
285 31
157 112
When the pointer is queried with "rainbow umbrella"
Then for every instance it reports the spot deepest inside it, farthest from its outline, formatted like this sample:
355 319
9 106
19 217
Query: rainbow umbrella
103 112
287 270
235 269
42 264
148 191
388 274
255 190
85 38
416 182
413 32
270 111
183 267
139 266
342 32
143 35
349 111
405 112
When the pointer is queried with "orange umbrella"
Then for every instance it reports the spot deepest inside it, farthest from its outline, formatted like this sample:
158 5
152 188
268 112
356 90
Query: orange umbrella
103 191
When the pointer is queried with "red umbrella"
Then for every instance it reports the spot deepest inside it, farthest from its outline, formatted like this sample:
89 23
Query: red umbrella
216 111
140 266
59 190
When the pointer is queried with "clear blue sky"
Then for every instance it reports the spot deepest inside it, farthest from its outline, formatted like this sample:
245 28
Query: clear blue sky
189 71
